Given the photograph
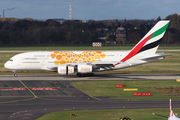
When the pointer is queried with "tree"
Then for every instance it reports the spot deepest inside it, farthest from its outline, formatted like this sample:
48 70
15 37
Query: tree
134 37
68 36
158 19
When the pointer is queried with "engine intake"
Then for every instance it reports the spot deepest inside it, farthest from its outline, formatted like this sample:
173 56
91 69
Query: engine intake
84 68
65 70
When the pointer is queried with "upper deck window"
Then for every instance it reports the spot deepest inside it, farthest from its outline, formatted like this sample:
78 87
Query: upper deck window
39 55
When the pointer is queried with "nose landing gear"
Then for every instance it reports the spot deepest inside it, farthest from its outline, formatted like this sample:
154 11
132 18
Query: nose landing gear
15 73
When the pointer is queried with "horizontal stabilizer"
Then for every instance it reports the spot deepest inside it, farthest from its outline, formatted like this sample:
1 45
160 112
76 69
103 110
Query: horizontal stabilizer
159 115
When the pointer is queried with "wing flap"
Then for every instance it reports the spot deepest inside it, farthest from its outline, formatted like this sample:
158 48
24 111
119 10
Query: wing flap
104 64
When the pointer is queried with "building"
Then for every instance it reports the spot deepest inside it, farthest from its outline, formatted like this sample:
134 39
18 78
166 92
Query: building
120 34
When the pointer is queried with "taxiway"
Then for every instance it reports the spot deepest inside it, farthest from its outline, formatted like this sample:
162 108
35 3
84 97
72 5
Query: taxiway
97 77
29 97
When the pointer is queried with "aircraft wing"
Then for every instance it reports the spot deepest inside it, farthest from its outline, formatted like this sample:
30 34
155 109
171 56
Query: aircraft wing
103 64
159 115
98 64
155 57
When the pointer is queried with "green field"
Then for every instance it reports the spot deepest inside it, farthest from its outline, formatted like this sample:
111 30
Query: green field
135 114
159 89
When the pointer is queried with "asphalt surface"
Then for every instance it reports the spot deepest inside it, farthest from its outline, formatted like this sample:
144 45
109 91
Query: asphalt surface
29 97
97 77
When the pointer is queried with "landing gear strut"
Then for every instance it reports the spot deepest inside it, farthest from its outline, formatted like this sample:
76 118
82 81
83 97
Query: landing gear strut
15 73
85 74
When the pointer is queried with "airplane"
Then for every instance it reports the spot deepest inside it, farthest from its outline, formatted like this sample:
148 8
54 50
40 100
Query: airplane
84 63
172 116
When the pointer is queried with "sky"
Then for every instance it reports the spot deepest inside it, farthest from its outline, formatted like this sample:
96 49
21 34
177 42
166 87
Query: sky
89 9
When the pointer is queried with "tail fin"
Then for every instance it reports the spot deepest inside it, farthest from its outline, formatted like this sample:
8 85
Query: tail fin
150 42
171 111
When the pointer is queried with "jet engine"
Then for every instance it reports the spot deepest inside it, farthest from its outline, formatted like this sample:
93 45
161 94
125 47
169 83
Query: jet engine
84 68
65 70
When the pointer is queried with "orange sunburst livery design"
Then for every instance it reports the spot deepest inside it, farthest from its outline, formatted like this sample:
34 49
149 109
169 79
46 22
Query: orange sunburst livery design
53 55
62 62
56 52
58 57
99 52
57 62
64 57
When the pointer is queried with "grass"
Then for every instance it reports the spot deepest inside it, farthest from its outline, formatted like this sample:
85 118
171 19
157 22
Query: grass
159 89
3 58
135 114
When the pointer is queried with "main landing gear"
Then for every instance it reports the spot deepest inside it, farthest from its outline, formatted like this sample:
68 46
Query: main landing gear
15 73
85 74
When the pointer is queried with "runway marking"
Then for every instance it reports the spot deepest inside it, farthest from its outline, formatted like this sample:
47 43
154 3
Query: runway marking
12 89
43 89
28 89
15 96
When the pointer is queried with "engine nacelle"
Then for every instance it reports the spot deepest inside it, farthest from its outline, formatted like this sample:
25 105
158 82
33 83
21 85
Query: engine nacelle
84 68
65 70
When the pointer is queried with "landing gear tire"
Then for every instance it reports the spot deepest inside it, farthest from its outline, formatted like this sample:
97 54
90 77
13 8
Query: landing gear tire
92 74
79 74
15 74
85 75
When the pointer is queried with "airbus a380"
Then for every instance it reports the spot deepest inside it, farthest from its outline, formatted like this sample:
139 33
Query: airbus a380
86 62
172 116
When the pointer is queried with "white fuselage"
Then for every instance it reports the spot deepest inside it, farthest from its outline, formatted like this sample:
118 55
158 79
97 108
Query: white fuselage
48 60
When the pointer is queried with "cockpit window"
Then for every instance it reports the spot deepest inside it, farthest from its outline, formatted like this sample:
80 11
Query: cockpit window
11 60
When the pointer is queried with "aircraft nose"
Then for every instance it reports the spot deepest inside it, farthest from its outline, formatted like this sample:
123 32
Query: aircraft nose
7 65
